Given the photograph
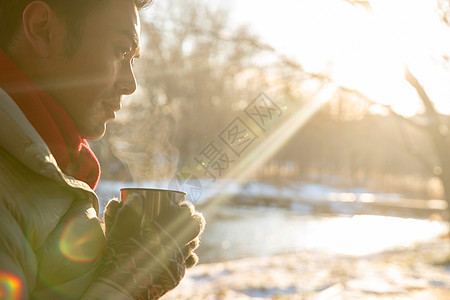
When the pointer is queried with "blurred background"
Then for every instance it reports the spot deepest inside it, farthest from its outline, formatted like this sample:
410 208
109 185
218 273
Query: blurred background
312 134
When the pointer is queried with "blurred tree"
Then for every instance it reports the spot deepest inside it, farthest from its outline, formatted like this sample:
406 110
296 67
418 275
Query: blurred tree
436 126
348 145
198 73
433 123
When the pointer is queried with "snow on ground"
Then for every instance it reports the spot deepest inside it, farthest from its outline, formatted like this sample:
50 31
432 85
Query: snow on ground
403 273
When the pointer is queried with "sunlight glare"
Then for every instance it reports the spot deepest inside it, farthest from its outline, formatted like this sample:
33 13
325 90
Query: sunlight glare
361 49
365 234
380 44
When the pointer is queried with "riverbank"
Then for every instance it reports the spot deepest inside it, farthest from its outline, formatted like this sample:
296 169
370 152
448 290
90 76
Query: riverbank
416 272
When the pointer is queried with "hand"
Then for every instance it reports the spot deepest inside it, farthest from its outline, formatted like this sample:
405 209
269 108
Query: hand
147 264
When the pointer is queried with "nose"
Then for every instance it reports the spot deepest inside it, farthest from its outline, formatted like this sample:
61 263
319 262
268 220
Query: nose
126 82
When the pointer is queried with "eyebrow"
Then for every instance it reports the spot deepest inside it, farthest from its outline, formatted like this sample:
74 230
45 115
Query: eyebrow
132 36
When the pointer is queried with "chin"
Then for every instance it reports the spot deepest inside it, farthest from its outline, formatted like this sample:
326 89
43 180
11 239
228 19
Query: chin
95 134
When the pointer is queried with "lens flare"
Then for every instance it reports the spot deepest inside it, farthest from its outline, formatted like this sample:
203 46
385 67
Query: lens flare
81 240
10 287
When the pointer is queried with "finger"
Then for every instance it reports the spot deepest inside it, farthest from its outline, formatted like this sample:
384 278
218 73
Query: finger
180 212
188 205
198 216
198 226
189 248
128 219
191 261
111 208
165 238
184 231
193 244
183 223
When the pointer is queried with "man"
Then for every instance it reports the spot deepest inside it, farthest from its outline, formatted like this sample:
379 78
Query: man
64 67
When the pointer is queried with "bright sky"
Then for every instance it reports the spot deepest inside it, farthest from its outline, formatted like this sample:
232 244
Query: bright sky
364 50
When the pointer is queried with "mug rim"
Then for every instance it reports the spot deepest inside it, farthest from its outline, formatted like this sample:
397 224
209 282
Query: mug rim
151 189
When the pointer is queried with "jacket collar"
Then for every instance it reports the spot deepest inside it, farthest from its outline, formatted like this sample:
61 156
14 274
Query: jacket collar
19 138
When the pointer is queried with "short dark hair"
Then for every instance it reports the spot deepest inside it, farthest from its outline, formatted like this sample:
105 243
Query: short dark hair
72 12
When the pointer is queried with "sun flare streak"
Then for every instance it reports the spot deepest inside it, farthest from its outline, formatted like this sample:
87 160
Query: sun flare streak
241 173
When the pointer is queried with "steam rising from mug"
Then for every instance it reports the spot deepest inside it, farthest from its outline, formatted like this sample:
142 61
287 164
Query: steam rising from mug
140 138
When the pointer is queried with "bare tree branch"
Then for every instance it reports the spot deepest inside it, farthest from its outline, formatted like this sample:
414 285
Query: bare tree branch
388 107
444 10
429 107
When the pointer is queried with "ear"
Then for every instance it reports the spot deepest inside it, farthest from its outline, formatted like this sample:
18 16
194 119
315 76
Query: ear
37 22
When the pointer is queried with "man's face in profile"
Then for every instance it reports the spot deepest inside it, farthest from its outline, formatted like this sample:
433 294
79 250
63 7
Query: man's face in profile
90 83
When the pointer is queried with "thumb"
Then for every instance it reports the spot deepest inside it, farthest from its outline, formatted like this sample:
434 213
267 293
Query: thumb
110 213
128 219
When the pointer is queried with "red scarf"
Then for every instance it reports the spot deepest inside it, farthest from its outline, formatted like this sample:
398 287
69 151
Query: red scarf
52 122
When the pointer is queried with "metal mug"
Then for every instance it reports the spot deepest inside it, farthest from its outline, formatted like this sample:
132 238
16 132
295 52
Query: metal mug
154 201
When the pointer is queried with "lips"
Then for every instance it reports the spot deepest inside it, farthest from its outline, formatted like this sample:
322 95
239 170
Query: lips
114 108
113 103
112 114
111 108
108 113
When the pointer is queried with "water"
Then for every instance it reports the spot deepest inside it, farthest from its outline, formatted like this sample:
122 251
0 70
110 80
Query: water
233 233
